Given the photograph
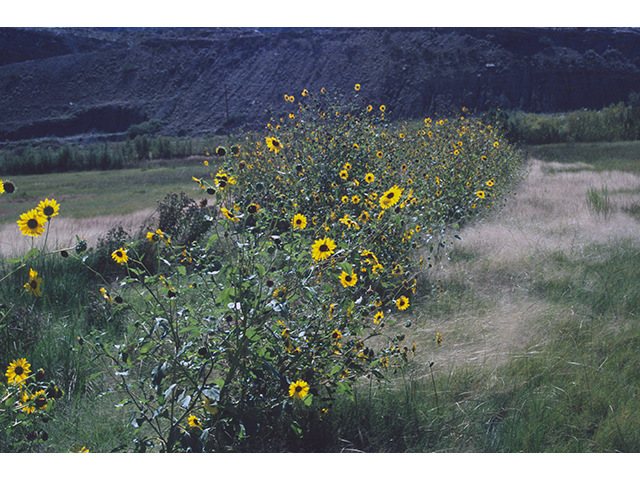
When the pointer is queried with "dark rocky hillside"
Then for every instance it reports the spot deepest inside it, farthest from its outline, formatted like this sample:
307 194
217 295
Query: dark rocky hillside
70 82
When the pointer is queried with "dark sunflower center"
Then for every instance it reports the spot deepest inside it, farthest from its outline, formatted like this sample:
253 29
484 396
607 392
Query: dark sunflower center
253 209
347 279
33 284
48 210
323 248
119 253
298 221
298 388
32 223
390 195
275 143
18 370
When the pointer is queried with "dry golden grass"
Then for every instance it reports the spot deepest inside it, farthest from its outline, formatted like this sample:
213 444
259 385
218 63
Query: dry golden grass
487 314
62 232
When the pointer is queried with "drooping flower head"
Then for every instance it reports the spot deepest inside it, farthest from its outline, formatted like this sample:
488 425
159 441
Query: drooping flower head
194 421
32 223
33 286
229 214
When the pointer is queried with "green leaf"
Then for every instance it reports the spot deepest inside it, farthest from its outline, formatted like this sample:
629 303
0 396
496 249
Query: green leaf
145 348
31 253
182 270
211 240
14 260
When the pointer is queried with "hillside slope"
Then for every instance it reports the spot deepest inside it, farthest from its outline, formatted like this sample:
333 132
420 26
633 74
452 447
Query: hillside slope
63 82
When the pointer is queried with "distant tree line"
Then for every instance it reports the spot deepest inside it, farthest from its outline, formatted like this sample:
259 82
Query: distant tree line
617 122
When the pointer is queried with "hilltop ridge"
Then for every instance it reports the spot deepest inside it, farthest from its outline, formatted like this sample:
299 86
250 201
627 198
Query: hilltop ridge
202 81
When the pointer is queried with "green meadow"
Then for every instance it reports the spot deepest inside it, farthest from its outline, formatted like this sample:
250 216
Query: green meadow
522 334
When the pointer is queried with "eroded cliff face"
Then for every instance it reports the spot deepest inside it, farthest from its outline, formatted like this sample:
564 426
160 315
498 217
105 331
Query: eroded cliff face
61 82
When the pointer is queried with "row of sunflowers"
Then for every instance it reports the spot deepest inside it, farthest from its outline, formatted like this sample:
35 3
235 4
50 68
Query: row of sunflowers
322 229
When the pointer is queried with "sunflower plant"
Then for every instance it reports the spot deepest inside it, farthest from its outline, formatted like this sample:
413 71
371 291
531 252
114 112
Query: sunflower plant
319 232
26 402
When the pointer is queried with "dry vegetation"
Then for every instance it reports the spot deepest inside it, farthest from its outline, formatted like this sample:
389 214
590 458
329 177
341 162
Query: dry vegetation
487 312
63 231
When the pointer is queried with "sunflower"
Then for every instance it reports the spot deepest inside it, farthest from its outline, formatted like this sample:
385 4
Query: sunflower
18 371
79 450
32 223
369 257
344 174
274 144
402 303
33 286
222 179
348 280
377 269
382 108
336 335
480 194
25 397
322 249
8 186
221 151
194 421
438 338
299 389
229 214
391 197
378 316
1 186
299 221
253 208
153 237
369 178
120 255
357 87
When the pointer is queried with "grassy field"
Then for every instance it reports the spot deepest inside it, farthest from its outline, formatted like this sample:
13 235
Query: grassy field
95 201
537 308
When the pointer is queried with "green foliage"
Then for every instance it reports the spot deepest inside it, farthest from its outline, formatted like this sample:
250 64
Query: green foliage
241 326
54 156
600 202
614 123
